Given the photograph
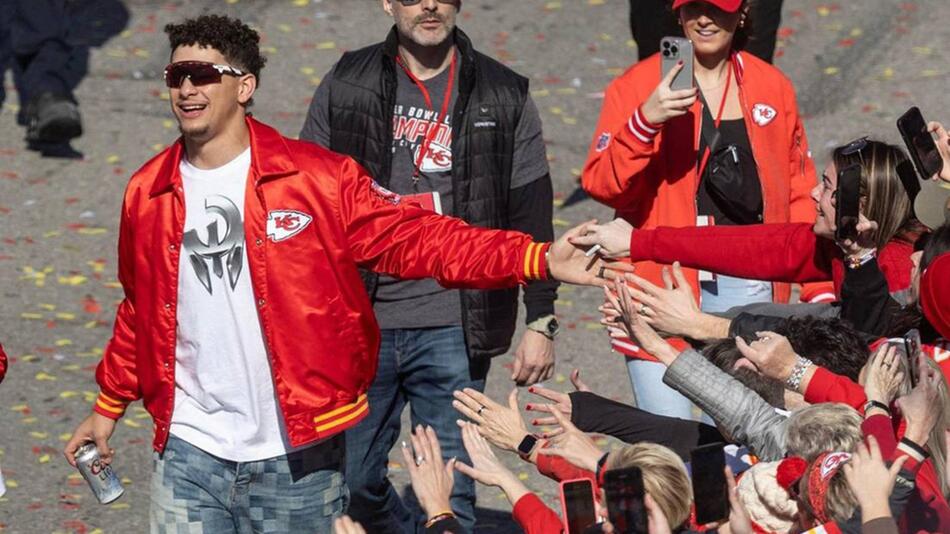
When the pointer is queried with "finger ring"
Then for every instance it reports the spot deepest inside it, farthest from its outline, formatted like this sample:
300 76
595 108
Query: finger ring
479 412
420 459
600 272
644 309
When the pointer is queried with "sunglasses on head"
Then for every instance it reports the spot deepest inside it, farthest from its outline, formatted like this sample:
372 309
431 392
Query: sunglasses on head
197 72
855 147
414 2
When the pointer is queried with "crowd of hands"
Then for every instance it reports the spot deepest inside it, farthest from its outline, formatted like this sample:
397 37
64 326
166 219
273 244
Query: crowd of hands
671 310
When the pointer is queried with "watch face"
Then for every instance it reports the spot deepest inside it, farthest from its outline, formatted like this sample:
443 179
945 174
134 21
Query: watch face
553 326
527 444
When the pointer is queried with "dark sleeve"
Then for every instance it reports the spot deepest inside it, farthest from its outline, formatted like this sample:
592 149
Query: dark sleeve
592 413
316 127
450 525
530 210
747 324
866 300
881 525
904 487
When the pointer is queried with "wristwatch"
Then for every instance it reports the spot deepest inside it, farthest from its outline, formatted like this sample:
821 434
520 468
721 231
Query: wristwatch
547 325
527 445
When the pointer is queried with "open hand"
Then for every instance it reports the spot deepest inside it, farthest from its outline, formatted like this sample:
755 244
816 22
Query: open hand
561 402
573 445
665 103
568 262
771 354
431 478
885 375
502 426
613 238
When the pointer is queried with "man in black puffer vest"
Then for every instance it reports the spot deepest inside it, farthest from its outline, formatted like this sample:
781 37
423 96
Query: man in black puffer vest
455 131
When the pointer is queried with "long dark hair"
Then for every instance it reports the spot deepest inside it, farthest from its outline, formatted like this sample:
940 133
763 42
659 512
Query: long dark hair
933 246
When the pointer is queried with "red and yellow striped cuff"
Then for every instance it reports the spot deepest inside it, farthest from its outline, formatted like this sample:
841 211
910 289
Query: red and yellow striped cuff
329 421
109 407
535 261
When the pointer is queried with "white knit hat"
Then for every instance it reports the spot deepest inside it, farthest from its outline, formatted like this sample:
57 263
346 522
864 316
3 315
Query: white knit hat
770 507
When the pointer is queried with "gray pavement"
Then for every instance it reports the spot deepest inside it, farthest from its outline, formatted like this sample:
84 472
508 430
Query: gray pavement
857 66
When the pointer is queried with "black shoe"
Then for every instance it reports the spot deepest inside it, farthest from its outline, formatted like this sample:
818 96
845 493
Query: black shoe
52 118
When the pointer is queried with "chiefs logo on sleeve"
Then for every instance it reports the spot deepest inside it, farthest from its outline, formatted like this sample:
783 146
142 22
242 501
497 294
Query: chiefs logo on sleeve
284 224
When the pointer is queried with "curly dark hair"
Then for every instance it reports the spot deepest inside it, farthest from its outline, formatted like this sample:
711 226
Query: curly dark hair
831 343
236 41
724 354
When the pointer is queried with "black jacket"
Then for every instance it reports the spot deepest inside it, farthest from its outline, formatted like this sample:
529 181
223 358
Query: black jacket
489 105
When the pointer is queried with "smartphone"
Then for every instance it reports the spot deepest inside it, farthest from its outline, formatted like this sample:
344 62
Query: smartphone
912 347
577 505
710 492
625 492
672 50
847 202
920 143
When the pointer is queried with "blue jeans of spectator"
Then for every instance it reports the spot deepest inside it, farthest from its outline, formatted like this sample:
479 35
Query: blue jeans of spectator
193 491
420 367
647 377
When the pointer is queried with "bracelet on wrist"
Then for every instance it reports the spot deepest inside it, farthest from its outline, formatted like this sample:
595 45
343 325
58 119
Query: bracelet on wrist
441 516
876 404
794 380
857 260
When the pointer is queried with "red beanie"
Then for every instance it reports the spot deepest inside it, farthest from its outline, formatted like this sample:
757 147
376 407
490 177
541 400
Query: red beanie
935 294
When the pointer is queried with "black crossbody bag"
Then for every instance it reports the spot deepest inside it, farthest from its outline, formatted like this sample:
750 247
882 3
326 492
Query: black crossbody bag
732 180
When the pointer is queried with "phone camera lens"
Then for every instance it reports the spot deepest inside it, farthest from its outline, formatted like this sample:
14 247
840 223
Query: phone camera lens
666 44
666 53
674 49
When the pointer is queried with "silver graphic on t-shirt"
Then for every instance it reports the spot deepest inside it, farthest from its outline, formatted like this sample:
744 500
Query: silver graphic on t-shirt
231 245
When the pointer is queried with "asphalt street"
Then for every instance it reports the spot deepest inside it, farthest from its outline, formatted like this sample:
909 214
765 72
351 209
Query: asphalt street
856 65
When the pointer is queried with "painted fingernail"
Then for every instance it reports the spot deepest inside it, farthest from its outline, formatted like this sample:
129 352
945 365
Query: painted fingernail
528 406
680 62
531 389
535 422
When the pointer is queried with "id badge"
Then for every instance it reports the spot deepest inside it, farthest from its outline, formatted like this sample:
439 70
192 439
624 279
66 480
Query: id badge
706 220
428 201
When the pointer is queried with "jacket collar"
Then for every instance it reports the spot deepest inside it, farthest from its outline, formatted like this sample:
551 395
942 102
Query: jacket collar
270 158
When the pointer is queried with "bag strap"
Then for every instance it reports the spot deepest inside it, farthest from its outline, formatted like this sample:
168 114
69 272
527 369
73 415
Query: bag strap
709 126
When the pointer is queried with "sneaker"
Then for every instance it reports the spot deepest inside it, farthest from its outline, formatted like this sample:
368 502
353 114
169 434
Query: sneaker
52 118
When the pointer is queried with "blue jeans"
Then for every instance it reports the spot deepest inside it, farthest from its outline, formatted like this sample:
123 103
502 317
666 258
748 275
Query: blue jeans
421 367
193 491
647 377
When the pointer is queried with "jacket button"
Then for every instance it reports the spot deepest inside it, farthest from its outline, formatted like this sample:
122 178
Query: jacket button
259 241
168 306
166 365
171 247
260 302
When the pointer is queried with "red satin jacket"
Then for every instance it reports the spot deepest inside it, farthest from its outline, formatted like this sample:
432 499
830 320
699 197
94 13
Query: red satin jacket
312 218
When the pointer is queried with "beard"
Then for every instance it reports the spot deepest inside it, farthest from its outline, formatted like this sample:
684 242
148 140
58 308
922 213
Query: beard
412 29
197 132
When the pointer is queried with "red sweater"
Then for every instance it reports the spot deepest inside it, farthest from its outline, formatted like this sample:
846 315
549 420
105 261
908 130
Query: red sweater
787 252
927 510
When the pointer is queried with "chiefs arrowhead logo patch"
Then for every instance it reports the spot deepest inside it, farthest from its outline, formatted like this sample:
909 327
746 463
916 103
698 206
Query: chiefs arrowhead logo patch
284 224
763 114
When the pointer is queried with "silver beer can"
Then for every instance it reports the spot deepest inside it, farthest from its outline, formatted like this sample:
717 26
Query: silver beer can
101 478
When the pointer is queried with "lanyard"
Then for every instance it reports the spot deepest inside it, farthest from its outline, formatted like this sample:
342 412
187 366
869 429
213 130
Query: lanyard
722 106
433 130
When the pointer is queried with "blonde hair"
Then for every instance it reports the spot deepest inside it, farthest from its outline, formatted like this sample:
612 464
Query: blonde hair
664 477
937 442
822 427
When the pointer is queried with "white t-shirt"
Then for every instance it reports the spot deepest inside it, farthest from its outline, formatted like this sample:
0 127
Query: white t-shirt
224 390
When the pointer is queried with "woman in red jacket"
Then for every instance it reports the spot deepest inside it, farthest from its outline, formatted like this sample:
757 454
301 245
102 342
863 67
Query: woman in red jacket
655 169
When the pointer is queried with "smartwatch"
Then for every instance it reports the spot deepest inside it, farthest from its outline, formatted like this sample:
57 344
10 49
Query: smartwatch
527 445
547 325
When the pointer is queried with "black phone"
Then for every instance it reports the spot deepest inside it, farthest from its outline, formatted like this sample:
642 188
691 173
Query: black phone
847 202
912 347
625 492
710 491
920 143
577 502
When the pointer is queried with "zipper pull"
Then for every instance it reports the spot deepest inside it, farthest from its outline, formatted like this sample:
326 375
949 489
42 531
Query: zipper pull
735 156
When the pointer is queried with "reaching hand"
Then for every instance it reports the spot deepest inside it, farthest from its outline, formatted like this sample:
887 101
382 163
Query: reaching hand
943 146
613 238
573 445
534 359
671 309
636 326
918 406
562 403
665 103
771 354
345 525
568 262
885 375
485 468
865 238
502 426
871 481
739 520
431 478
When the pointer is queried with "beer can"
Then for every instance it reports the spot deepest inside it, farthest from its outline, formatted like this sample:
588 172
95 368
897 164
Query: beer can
101 478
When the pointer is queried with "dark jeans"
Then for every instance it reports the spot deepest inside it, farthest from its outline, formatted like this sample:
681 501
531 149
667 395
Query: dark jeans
651 20
421 367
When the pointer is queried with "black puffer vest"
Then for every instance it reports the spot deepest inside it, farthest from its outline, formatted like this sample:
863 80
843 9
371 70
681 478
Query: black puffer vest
490 102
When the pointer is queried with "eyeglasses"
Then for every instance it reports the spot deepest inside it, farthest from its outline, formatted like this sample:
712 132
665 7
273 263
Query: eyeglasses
855 147
197 72
414 2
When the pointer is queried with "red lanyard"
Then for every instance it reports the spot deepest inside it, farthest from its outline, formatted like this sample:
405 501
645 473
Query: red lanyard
434 129
722 106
